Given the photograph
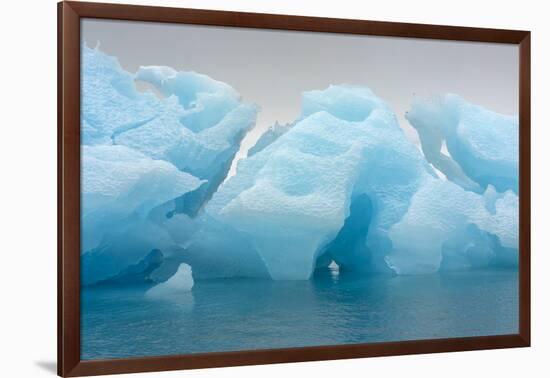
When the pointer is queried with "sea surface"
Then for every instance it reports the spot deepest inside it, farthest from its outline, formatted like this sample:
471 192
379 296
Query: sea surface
329 309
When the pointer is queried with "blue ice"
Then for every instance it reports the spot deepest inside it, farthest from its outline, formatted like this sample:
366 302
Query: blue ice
146 159
341 184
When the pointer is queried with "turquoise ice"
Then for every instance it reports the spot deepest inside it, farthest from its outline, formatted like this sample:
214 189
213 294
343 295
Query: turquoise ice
483 145
342 185
143 154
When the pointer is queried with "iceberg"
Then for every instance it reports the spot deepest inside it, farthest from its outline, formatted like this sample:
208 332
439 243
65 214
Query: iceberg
297 191
202 138
344 184
198 126
483 145
120 187
449 228
123 245
147 159
119 183
340 185
110 102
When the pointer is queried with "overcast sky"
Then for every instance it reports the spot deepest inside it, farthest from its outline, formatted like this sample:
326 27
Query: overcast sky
272 68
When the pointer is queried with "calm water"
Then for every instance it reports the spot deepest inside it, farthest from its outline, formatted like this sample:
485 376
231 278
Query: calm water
241 314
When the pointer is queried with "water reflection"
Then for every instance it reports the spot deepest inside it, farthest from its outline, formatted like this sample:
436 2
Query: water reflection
240 314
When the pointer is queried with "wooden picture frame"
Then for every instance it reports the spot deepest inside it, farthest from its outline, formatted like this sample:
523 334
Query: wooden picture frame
69 16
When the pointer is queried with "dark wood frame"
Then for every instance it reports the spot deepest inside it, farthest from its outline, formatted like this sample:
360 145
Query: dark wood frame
69 15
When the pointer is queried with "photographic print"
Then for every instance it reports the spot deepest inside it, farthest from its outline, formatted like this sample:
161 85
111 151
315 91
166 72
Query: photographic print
247 189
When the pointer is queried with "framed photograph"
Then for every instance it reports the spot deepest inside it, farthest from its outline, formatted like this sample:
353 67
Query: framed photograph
240 188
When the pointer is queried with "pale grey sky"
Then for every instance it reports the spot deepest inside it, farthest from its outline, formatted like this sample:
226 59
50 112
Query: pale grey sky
272 68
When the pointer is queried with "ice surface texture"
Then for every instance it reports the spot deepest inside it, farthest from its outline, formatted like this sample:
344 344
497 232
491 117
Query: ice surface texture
342 183
141 152
483 145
